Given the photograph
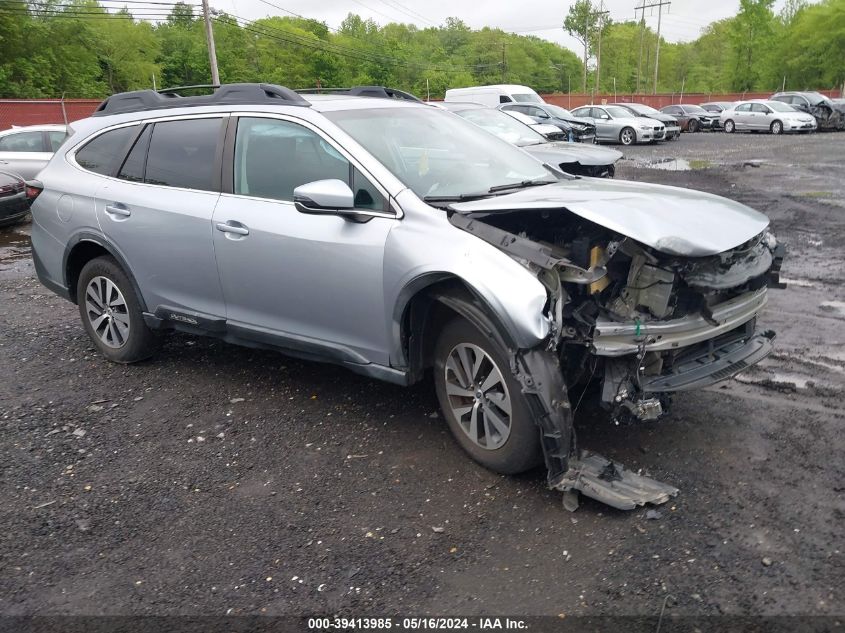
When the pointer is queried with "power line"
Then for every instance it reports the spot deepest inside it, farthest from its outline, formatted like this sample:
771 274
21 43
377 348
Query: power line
396 6
344 51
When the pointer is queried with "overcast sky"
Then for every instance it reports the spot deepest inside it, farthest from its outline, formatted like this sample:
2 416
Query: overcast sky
683 20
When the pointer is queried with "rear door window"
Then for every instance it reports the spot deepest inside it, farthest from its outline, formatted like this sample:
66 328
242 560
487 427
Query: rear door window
759 107
104 153
22 142
745 107
182 154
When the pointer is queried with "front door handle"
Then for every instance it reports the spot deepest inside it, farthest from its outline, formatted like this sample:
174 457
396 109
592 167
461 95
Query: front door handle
231 227
117 209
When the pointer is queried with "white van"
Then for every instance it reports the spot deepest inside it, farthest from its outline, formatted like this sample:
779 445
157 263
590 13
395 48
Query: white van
495 95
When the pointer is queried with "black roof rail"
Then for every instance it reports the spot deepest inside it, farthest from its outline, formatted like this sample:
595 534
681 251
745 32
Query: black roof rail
380 92
227 94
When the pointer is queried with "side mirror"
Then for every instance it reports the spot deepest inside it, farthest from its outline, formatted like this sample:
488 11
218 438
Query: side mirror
328 197
605 116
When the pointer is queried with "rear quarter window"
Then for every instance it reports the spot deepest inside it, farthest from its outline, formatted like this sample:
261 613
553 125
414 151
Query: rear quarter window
104 154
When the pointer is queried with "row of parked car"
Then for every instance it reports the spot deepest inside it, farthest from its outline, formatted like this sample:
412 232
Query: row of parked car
622 122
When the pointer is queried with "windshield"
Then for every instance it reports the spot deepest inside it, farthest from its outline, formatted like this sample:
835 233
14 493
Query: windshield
503 125
558 111
816 97
527 97
642 108
694 108
435 153
777 106
618 113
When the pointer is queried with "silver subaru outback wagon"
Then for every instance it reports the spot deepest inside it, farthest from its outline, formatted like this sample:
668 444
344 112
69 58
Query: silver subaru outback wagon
395 238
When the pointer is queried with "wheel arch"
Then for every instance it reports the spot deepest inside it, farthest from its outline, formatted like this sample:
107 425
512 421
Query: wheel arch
81 249
426 303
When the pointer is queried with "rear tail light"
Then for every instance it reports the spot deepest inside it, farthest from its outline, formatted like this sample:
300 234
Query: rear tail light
33 189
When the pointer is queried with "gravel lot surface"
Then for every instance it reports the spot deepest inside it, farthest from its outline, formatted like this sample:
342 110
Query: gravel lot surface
215 479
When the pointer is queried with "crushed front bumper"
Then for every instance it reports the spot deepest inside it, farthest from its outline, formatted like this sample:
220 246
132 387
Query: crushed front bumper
612 338
711 362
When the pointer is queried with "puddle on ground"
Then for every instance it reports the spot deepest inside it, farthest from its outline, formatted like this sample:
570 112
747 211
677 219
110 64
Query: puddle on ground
801 283
674 164
14 245
833 306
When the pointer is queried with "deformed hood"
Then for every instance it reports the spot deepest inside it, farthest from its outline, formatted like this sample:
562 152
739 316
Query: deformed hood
581 153
672 220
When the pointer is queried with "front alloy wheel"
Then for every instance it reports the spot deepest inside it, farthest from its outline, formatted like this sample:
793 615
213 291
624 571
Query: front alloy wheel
478 396
777 127
627 136
729 126
482 401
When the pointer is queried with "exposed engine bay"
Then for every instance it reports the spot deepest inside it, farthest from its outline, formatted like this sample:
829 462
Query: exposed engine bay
631 321
598 280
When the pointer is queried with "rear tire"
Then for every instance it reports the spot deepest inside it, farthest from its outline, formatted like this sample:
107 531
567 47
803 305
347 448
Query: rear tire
776 127
730 127
692 126
482 402
111 313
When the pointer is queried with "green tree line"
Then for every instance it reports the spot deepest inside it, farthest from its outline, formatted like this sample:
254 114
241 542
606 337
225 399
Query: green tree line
78 48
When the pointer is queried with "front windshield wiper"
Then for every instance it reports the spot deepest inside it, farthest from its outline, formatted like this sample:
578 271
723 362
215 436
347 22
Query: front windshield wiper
520 185
455 198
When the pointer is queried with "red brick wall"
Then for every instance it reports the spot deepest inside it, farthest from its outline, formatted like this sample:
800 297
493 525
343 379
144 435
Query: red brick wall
40 111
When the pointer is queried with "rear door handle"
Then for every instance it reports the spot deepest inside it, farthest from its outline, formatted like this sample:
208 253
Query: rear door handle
116 209
231 227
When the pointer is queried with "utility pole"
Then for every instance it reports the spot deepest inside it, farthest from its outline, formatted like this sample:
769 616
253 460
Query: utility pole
209 38
600 14
659 4
640 62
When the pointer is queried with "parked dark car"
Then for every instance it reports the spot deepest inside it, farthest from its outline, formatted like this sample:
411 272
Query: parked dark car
692 118
828 115
673 129
580 159
717 107
582 130
14 203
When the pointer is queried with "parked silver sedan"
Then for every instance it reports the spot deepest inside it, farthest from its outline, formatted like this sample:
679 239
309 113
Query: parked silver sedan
26 150
615 124
767 116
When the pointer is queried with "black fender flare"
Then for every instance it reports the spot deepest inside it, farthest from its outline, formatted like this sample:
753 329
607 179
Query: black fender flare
84 236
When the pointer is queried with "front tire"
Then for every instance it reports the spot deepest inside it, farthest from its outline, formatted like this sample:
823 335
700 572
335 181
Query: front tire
776 127
111 312
692 126
730 127
482 401
627 136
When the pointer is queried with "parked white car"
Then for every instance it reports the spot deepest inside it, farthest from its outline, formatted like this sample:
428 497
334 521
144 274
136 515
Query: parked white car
26 150
766 116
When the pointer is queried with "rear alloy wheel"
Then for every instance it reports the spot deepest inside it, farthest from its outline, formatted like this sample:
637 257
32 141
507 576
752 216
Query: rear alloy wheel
692 126
730 128
776 127
482 402
111 313
627 136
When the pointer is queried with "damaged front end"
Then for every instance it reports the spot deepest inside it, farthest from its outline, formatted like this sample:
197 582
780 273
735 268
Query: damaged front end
643 322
